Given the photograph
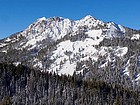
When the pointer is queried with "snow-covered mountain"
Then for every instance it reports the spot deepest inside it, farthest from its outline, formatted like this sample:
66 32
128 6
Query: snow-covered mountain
96 49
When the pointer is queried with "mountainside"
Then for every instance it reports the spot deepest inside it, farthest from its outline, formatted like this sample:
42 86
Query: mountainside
98 50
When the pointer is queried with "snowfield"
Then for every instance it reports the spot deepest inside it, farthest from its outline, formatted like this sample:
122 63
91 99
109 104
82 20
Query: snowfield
69 53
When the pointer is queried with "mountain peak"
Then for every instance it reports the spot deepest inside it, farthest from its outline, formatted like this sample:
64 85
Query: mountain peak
88 17
42 19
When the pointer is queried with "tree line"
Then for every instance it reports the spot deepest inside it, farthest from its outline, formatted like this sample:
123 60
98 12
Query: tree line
20 85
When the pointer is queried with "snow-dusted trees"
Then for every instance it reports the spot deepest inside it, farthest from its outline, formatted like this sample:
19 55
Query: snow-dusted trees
23 86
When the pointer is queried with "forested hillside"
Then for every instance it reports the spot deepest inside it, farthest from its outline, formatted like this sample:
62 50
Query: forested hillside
21 85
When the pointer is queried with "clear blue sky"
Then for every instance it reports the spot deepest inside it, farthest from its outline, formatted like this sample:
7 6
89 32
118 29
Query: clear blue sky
16 15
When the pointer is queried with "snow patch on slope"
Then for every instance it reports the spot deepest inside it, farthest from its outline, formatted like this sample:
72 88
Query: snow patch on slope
137 77
69 53
135 37
2 44
8 40
96 35
121 51
126 68
121 28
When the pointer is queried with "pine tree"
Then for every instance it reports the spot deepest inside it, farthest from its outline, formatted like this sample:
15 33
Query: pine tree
118 102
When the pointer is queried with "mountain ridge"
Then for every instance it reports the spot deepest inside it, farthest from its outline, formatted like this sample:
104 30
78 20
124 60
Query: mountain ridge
88 46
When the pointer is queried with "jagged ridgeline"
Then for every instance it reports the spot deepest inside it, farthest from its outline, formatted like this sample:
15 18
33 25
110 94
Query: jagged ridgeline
20 85
93 50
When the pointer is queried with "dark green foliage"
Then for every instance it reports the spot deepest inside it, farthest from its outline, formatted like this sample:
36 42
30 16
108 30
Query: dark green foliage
6 101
